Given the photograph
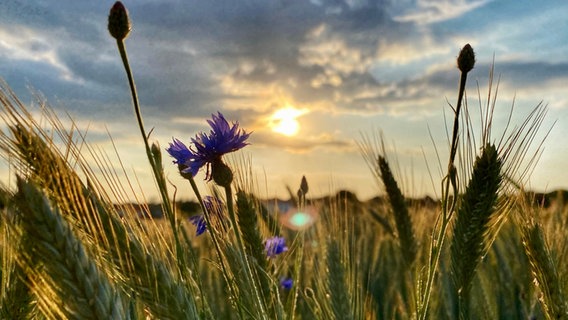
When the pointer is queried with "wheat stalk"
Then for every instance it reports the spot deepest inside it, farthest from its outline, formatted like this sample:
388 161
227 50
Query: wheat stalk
248 224
15 297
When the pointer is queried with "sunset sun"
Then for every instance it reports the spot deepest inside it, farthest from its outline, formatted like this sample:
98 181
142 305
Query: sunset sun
284 121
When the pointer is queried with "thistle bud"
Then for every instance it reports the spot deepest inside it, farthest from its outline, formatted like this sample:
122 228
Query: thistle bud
118 21
466 59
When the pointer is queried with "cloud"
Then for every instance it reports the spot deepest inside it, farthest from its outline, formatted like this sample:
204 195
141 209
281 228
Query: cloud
432 11
301 144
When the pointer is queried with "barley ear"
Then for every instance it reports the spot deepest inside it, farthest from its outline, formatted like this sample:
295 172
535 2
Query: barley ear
473 222
157 287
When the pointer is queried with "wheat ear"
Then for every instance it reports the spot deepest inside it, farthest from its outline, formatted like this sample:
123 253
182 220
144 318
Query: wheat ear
248 224
404 227
543 267
340 297
82 290
473 221
151 278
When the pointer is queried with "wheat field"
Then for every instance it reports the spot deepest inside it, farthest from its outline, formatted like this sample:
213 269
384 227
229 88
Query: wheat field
487 249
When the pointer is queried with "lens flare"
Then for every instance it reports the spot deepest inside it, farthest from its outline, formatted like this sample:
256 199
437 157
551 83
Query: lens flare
297 219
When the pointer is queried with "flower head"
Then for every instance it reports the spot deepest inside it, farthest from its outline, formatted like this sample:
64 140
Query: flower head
214 208
286 283
275 246
207 149
199 222
223 138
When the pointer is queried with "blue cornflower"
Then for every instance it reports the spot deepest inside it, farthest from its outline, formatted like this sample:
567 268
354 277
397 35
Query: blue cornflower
275 246
199 222
286 283
222 139
214 207
207 149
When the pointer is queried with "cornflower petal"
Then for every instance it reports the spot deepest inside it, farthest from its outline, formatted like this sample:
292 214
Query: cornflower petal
199 222
179 151
213 205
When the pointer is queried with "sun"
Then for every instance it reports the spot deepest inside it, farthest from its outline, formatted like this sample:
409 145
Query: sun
284 121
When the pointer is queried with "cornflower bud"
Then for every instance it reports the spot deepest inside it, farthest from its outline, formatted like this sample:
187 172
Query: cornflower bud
221 173
466 59
118 21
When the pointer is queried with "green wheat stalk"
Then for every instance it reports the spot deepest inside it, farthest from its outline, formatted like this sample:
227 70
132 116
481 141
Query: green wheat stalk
15 296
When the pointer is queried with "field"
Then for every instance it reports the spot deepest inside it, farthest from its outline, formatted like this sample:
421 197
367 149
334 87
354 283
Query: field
487 249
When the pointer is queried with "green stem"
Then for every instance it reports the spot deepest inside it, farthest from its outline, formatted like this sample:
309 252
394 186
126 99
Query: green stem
213 233
437 242
156 166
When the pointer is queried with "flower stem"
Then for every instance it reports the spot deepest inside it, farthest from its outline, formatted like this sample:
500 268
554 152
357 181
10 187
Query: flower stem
155 164
466 60
213 233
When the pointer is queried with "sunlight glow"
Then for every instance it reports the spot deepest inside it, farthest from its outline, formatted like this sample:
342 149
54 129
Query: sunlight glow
284 121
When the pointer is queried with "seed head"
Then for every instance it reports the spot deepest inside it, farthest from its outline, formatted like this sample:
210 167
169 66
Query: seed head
118 21
466 59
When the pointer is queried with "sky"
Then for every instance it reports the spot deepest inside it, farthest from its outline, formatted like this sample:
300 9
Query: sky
309 79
